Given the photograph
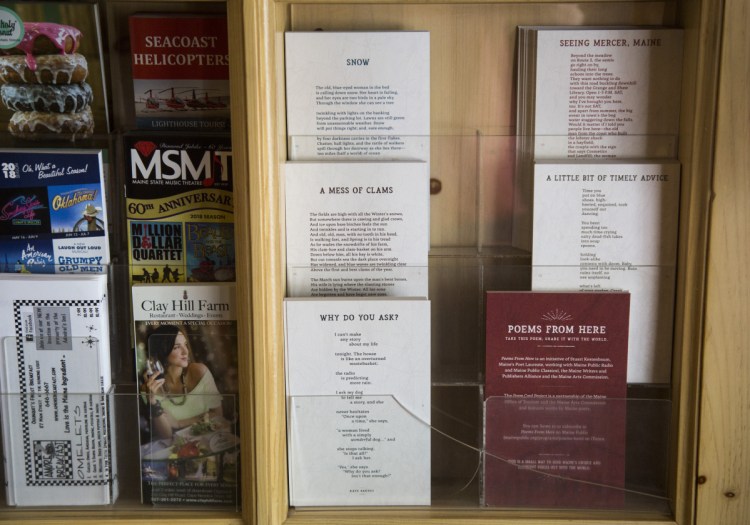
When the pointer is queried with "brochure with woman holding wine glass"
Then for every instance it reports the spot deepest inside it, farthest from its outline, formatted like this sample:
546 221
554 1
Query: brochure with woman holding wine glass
186 356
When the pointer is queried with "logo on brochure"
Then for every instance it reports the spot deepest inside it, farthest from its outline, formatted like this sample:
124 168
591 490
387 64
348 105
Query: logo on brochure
11 28
72 198
33 257
53 460
10 170
557 315
179 163
21 211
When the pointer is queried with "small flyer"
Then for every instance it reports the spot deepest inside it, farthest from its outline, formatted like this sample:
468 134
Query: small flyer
180 72
358 399
57 417
357 229
555 411
358 95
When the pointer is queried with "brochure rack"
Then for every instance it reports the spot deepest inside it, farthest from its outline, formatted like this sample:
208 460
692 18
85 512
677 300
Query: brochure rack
219 453
472 115
465 113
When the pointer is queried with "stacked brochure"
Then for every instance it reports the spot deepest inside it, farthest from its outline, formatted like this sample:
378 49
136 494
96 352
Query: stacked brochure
54 214
593 93
597 189
357 236
186 361
358 95
358 387
57 418
604 227
180 208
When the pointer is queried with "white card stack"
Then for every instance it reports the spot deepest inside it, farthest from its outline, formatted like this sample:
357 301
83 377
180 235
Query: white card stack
57 419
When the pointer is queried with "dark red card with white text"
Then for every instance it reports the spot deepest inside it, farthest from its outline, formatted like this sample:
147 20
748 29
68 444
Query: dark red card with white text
557 343
554 411
555 452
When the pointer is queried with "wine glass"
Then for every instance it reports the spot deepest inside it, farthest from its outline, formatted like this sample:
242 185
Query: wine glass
154 367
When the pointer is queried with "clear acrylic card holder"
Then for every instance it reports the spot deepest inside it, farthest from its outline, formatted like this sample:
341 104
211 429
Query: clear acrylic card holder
188 413
499 453
99 461
58 418
71 438
484 451
198 465
575 453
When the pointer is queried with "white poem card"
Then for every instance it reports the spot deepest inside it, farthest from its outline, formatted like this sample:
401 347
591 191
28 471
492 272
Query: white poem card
357 450
594 93
607 93
357 229
351 352
358 95
613 226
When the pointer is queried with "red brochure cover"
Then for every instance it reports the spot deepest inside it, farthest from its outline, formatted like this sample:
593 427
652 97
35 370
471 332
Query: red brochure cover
180 71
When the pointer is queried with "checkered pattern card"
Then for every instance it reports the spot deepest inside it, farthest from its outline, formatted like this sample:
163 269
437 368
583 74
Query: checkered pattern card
54 378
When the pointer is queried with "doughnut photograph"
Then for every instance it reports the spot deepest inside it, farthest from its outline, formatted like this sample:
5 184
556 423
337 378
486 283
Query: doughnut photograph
50 82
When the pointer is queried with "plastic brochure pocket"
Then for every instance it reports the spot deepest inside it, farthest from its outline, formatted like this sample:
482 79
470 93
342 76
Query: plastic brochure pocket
58 435
198 464
370 451
575 452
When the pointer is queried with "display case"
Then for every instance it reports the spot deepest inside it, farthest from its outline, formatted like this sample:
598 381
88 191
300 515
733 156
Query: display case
472 123
116 495
473 136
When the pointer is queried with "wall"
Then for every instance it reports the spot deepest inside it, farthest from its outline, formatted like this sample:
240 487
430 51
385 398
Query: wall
724 450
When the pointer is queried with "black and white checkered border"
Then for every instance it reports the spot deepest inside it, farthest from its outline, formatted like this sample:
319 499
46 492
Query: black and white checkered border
27 448
69 483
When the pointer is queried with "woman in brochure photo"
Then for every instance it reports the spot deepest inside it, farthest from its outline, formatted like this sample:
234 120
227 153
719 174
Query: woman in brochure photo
180 391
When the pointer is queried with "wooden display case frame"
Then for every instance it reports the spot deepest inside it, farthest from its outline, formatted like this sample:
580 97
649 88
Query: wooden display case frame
268 20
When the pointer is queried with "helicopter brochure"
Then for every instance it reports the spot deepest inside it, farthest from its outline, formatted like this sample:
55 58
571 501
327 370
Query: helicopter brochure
180 71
